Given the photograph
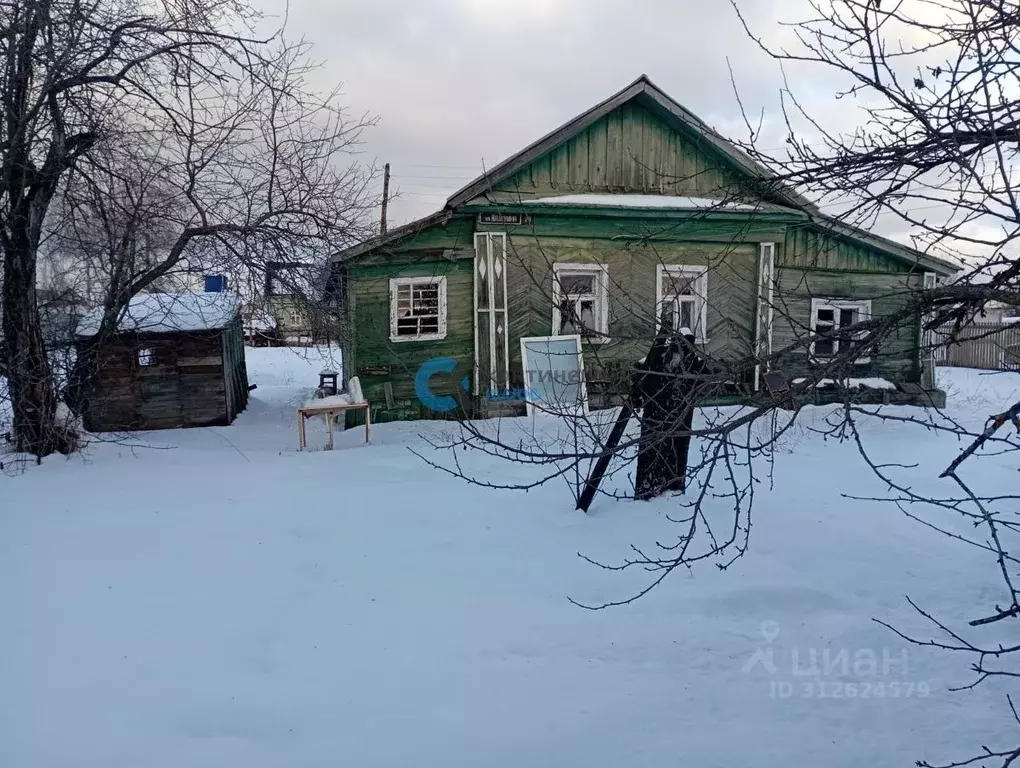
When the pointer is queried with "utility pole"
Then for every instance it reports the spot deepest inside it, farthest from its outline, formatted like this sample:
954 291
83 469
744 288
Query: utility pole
385 197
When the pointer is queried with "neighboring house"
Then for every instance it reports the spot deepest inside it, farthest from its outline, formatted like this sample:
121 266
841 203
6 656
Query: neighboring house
288 299
177 360
633 208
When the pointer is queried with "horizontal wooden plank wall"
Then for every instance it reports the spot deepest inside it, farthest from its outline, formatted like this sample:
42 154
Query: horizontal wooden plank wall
989 346
386 369
184 386
897 360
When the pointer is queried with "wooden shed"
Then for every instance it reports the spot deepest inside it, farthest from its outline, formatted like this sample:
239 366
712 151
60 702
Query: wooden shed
177 360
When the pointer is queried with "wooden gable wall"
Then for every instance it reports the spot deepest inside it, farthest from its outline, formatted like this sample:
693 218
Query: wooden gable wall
814 247
629 150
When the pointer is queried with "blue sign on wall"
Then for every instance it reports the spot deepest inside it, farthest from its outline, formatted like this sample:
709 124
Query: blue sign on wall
215 283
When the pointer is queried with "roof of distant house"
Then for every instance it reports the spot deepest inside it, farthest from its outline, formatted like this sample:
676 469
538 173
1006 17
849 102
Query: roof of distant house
169 312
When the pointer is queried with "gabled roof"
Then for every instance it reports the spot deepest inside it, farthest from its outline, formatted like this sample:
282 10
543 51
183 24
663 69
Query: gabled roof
393 235
644 90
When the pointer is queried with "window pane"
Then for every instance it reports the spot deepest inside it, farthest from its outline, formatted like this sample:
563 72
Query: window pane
428 325
676 284
847 317
827 315
407 326
824 347
577 283
687 315
587 312
668 309
567 317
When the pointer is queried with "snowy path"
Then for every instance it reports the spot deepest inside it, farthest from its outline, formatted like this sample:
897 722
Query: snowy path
230 602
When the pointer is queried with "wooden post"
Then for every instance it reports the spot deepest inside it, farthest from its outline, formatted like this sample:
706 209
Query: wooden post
653 360
591 486
301 430
385 197
368 423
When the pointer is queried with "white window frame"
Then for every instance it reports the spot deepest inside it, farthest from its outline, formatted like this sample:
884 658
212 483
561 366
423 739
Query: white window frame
601 273
398 282
700 276
863 306
146 357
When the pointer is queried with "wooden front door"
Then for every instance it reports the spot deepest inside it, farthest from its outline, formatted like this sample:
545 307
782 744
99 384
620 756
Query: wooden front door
492 360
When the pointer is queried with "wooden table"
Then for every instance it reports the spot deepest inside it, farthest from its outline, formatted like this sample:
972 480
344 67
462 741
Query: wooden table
330 410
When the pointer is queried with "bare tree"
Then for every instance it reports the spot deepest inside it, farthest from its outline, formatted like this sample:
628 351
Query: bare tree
934 84
174 121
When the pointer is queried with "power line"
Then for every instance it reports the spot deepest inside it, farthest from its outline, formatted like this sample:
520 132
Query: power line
446 167
431 176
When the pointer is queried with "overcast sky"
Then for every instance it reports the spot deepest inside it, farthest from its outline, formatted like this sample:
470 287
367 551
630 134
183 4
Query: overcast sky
456 83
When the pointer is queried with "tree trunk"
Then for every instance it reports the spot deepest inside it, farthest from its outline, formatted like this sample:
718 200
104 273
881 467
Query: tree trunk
29 379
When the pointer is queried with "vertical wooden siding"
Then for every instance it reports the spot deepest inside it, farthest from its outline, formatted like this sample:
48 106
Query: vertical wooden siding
235 370
811 247
629 150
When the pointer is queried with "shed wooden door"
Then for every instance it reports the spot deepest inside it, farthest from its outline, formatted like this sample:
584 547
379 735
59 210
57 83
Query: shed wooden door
157 387
492 358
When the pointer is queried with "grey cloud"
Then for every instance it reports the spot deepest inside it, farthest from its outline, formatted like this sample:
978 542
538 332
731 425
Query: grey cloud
459 82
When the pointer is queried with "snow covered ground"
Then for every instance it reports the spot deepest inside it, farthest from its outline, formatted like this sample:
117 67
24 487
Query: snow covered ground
218 599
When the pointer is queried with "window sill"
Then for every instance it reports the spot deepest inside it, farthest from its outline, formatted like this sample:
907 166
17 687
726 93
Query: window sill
427 337
826 360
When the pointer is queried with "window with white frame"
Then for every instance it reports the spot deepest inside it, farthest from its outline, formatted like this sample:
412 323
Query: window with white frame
581 301
417 308
828 317
146 356
681 295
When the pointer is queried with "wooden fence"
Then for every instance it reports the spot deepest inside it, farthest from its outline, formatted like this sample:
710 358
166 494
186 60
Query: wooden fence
992 346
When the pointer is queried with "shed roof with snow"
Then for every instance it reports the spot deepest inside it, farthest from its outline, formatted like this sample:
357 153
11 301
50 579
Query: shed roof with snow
169 312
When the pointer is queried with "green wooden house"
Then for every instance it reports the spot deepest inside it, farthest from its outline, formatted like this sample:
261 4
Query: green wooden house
633 208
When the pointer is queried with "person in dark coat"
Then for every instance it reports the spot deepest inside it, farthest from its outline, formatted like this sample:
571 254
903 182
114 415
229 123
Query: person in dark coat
666 388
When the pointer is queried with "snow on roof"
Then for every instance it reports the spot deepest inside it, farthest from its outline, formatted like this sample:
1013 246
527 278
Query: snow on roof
674 202
169 312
